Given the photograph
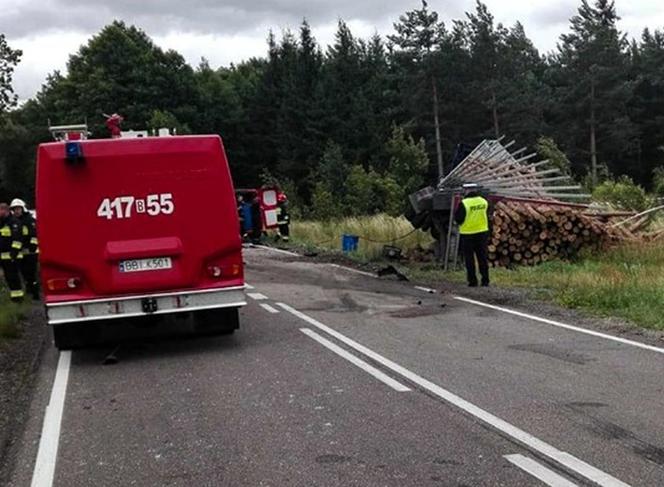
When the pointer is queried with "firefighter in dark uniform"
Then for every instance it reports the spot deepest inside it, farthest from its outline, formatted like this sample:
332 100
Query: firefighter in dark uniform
283 218
472 215
256 229
10 252
30 250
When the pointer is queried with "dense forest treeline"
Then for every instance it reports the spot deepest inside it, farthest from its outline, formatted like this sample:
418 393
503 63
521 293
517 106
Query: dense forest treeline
361 116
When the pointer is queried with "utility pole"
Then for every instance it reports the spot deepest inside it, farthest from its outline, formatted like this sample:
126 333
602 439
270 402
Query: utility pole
439 152
593 136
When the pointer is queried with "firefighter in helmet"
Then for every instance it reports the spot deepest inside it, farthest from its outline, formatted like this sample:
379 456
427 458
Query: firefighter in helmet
30 246
283 218
10 252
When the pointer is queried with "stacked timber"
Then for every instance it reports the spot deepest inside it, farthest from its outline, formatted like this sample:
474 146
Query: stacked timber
526 233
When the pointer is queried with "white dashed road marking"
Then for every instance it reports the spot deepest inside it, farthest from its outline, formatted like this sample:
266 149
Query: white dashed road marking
269 308
257 296
540 472
563 458
370 369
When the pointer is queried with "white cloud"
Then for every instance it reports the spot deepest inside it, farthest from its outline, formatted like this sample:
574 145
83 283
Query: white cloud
48 31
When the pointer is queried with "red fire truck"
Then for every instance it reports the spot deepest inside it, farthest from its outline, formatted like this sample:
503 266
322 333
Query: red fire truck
137 227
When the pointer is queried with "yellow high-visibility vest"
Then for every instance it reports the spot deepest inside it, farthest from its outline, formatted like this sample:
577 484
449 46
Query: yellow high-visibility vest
477 216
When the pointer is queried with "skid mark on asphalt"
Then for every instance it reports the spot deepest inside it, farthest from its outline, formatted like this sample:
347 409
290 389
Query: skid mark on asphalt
554 352
540 472
370 369
563 458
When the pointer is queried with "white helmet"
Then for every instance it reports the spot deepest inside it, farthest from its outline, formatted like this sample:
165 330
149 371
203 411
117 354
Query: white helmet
18 202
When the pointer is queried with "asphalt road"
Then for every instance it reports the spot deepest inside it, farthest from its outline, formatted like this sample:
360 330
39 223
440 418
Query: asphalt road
337 378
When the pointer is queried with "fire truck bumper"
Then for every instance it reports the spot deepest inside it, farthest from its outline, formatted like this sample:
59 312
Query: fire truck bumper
145 305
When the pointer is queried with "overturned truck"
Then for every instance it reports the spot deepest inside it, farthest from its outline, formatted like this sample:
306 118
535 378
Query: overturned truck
538 212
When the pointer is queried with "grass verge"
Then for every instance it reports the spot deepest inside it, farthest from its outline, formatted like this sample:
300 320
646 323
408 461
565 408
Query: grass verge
11 315
374 232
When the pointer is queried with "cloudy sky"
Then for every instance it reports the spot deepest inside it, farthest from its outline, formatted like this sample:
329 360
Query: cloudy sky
224 31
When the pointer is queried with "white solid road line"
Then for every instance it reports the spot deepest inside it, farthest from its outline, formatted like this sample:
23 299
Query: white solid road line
426 289
257 296
540 472
370 369
47 454
279 251
350 269
269 308
562 325
530 441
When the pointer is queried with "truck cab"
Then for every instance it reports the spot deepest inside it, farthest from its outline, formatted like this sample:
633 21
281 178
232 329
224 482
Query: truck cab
135 227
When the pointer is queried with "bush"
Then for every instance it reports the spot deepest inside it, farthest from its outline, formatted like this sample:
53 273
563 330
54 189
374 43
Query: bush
324 205
548 149
622 193
658 181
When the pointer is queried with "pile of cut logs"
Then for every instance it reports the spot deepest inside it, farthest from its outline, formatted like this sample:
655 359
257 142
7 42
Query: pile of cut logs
528 233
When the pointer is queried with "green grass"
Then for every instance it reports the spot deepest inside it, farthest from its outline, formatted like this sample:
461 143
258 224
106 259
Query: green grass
374 232
11 315
626 282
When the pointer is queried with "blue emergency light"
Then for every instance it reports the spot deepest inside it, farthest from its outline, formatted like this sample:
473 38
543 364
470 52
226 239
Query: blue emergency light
73 151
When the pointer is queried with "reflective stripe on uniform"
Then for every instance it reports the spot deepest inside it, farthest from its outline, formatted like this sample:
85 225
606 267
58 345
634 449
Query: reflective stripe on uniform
26 230
16 244
34 241
19 256
6 256
16 294
5 231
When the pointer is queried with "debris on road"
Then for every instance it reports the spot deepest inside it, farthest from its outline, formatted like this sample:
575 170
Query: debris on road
390 270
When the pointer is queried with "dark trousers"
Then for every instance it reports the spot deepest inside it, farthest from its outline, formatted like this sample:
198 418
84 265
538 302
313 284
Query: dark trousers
475 246
28 267
13 279
284 231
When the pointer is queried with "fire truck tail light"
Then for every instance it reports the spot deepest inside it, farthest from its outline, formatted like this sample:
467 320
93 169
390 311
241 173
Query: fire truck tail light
63 284
224 272
214 271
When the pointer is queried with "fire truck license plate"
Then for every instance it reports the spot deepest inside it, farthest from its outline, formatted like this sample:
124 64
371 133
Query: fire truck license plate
153 264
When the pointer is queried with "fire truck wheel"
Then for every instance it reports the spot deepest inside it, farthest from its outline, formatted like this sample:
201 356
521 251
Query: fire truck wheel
216 321
69 336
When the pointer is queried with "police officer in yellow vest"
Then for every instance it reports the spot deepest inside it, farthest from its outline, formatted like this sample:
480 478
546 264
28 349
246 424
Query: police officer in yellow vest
472 215
10 252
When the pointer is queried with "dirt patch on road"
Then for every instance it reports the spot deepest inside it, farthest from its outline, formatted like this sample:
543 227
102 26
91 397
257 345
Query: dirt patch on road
19 360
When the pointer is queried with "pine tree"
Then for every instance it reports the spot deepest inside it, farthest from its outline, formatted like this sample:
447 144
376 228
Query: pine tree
9 58
594 89
418 35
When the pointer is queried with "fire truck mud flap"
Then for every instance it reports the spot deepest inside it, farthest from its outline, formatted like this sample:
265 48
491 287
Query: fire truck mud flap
154 304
